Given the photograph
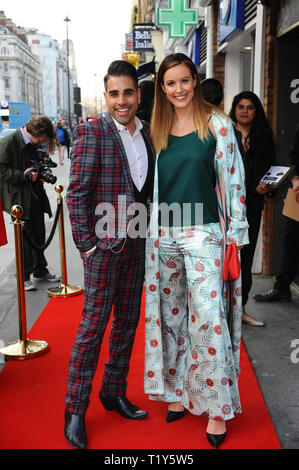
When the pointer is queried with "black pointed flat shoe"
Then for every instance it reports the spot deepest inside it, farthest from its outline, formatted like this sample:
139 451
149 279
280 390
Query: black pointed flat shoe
174 415
215 439
74 430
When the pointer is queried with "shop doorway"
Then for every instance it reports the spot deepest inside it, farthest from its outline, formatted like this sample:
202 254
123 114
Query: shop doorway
287 121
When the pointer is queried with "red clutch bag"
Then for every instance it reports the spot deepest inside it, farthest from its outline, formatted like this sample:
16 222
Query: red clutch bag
231 265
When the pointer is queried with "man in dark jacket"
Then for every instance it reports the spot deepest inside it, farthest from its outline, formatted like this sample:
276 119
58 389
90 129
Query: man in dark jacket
290 258
19 184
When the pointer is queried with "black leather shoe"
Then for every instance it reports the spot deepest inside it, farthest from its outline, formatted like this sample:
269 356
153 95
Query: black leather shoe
215 439
122 406
274 295
74 430
174 415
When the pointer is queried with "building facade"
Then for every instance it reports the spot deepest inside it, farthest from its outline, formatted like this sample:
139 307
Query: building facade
55 75
34 70
21 77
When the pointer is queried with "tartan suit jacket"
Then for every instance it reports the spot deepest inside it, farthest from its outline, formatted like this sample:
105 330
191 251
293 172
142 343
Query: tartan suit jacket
99 174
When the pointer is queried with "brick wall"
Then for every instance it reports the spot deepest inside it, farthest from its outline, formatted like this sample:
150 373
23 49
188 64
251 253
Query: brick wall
270 110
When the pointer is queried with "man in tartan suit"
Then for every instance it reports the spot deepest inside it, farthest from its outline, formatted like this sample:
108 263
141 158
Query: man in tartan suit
111 157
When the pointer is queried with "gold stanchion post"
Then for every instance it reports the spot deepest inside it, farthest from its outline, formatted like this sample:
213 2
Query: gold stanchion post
64 289
24 348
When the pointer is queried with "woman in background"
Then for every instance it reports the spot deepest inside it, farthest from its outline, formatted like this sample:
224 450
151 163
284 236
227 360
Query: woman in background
256 144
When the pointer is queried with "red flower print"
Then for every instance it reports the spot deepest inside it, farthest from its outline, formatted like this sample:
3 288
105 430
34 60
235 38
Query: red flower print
166 290
226 409
232 170
205 326
191 405
157 276
194 366
223 131
199 267
230 382
212 351
175 311
161 233
231 147
158 322
178 392
242 199
217 262
238 187
172 371
150 374
210 382
170 264
224 381
218 418
180 341
217 329
192 318
154 343
238 291
213 294
189 234
152 288
153 257
194 354
219 155
156 244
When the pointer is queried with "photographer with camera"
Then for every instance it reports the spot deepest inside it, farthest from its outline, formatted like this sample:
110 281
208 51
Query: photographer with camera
23 170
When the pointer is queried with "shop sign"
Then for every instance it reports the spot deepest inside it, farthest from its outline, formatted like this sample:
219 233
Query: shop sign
194 47
177 17
142 40
129 41
231 18
133 58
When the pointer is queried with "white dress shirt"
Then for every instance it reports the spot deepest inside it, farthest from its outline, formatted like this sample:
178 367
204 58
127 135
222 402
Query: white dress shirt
136 152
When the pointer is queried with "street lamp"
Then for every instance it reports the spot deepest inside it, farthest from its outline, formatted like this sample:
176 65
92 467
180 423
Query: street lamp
67 20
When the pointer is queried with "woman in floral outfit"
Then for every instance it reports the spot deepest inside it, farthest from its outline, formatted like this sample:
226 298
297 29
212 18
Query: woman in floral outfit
191 354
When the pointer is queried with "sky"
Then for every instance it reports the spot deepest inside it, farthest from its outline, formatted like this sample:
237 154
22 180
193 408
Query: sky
97 29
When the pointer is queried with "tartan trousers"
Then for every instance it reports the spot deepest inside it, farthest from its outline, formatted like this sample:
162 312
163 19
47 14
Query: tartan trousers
110 280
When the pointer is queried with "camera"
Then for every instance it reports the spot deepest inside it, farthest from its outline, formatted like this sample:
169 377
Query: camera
42 166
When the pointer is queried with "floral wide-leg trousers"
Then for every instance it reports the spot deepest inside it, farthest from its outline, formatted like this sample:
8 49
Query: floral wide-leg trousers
199 368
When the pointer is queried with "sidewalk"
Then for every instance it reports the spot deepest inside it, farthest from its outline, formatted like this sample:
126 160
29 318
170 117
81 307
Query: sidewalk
269 348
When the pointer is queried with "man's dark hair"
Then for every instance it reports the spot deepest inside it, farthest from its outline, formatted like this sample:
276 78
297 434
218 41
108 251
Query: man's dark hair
212 91
121 67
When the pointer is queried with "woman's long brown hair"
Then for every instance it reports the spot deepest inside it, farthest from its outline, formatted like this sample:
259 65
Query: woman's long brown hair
163 111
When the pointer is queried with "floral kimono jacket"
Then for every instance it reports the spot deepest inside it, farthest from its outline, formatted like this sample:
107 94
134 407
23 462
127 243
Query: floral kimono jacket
230 190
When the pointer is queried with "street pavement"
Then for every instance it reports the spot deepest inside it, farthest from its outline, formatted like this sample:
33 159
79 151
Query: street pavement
273 349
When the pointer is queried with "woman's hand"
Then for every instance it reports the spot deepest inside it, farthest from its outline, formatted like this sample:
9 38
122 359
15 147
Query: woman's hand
295 183
262 189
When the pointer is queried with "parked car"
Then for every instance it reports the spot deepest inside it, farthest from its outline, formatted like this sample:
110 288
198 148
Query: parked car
5 132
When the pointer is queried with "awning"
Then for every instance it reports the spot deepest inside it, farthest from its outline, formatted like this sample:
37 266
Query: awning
146 69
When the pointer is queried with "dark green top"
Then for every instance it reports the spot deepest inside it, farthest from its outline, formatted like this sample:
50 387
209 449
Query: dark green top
187 175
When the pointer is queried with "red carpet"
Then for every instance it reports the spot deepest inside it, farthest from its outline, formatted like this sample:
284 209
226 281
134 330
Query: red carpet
32 400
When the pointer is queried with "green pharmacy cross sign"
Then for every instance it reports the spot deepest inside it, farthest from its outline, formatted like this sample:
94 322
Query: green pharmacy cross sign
177 17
